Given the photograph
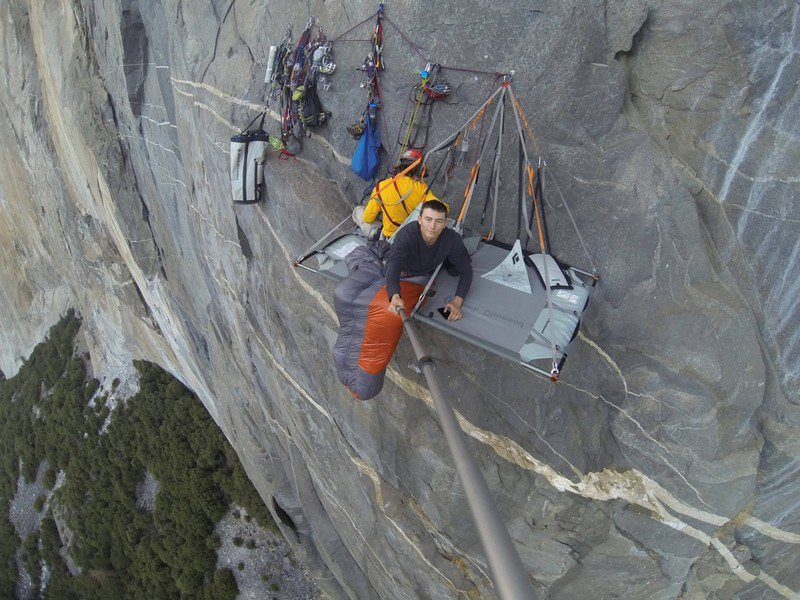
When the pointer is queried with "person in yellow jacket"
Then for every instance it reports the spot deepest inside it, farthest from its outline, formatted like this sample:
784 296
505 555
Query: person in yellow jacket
395 198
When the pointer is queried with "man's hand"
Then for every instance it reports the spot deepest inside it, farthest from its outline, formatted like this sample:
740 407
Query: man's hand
396 303
453 308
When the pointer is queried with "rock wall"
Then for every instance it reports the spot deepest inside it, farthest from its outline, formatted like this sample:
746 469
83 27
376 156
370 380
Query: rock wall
663 464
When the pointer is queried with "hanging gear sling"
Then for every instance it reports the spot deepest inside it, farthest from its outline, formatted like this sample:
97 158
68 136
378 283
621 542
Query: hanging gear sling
366 158
293 75
415 126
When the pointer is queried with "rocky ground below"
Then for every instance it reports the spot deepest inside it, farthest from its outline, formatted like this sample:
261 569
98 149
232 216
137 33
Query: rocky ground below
26 519
261 561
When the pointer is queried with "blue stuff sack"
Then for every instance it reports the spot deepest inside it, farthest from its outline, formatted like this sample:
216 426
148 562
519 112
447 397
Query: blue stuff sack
366 159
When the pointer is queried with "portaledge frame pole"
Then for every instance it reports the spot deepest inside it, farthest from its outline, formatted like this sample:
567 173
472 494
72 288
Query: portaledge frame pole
509 576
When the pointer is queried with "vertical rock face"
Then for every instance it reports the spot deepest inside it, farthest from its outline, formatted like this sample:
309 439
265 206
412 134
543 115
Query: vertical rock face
664 463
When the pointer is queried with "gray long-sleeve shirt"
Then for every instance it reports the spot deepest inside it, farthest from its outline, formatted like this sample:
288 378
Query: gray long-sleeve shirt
411 256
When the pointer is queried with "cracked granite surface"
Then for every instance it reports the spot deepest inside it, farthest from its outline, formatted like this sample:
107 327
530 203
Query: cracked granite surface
668 452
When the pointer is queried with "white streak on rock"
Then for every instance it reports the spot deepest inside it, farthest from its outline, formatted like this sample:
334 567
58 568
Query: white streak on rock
294 383
304 284
159 123
757 122
148 142
127 65
205 107
253 106
605 357
772 531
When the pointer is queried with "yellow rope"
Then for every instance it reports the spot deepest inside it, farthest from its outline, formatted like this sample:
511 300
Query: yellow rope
419 98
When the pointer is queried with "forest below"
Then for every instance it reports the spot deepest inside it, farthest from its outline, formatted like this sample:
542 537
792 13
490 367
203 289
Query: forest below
56 420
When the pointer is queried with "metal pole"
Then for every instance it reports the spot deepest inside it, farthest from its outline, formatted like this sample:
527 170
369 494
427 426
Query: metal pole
509 576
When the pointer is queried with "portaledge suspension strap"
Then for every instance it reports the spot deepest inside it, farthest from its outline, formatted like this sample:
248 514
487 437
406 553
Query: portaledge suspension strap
554 371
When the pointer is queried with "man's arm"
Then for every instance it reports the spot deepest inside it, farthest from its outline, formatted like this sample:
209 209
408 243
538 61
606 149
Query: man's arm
460 260
395 260
372 210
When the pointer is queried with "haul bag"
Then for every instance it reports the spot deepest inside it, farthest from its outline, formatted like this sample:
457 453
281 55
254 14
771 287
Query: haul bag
248 151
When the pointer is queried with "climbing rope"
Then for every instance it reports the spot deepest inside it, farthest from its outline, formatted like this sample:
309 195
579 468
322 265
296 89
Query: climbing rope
418 49
338 38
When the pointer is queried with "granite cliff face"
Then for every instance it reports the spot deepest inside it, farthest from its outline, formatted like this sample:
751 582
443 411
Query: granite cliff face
665 462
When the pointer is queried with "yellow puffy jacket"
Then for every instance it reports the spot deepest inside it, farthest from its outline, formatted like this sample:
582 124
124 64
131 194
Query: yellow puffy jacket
395 198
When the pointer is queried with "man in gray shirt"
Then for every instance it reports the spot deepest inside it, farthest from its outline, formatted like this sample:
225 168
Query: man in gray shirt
419 247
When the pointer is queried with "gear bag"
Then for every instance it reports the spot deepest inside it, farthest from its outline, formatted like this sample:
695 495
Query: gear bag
248 151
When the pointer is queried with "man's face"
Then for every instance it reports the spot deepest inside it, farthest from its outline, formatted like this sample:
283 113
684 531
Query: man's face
431 224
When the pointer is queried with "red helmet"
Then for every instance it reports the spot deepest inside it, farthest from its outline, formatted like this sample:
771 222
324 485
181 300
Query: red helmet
411 155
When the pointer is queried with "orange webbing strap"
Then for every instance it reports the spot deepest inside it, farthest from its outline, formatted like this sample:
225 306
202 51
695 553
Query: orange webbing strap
480 114
400 174
473 175
529 168
460 135
536 208
527 127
